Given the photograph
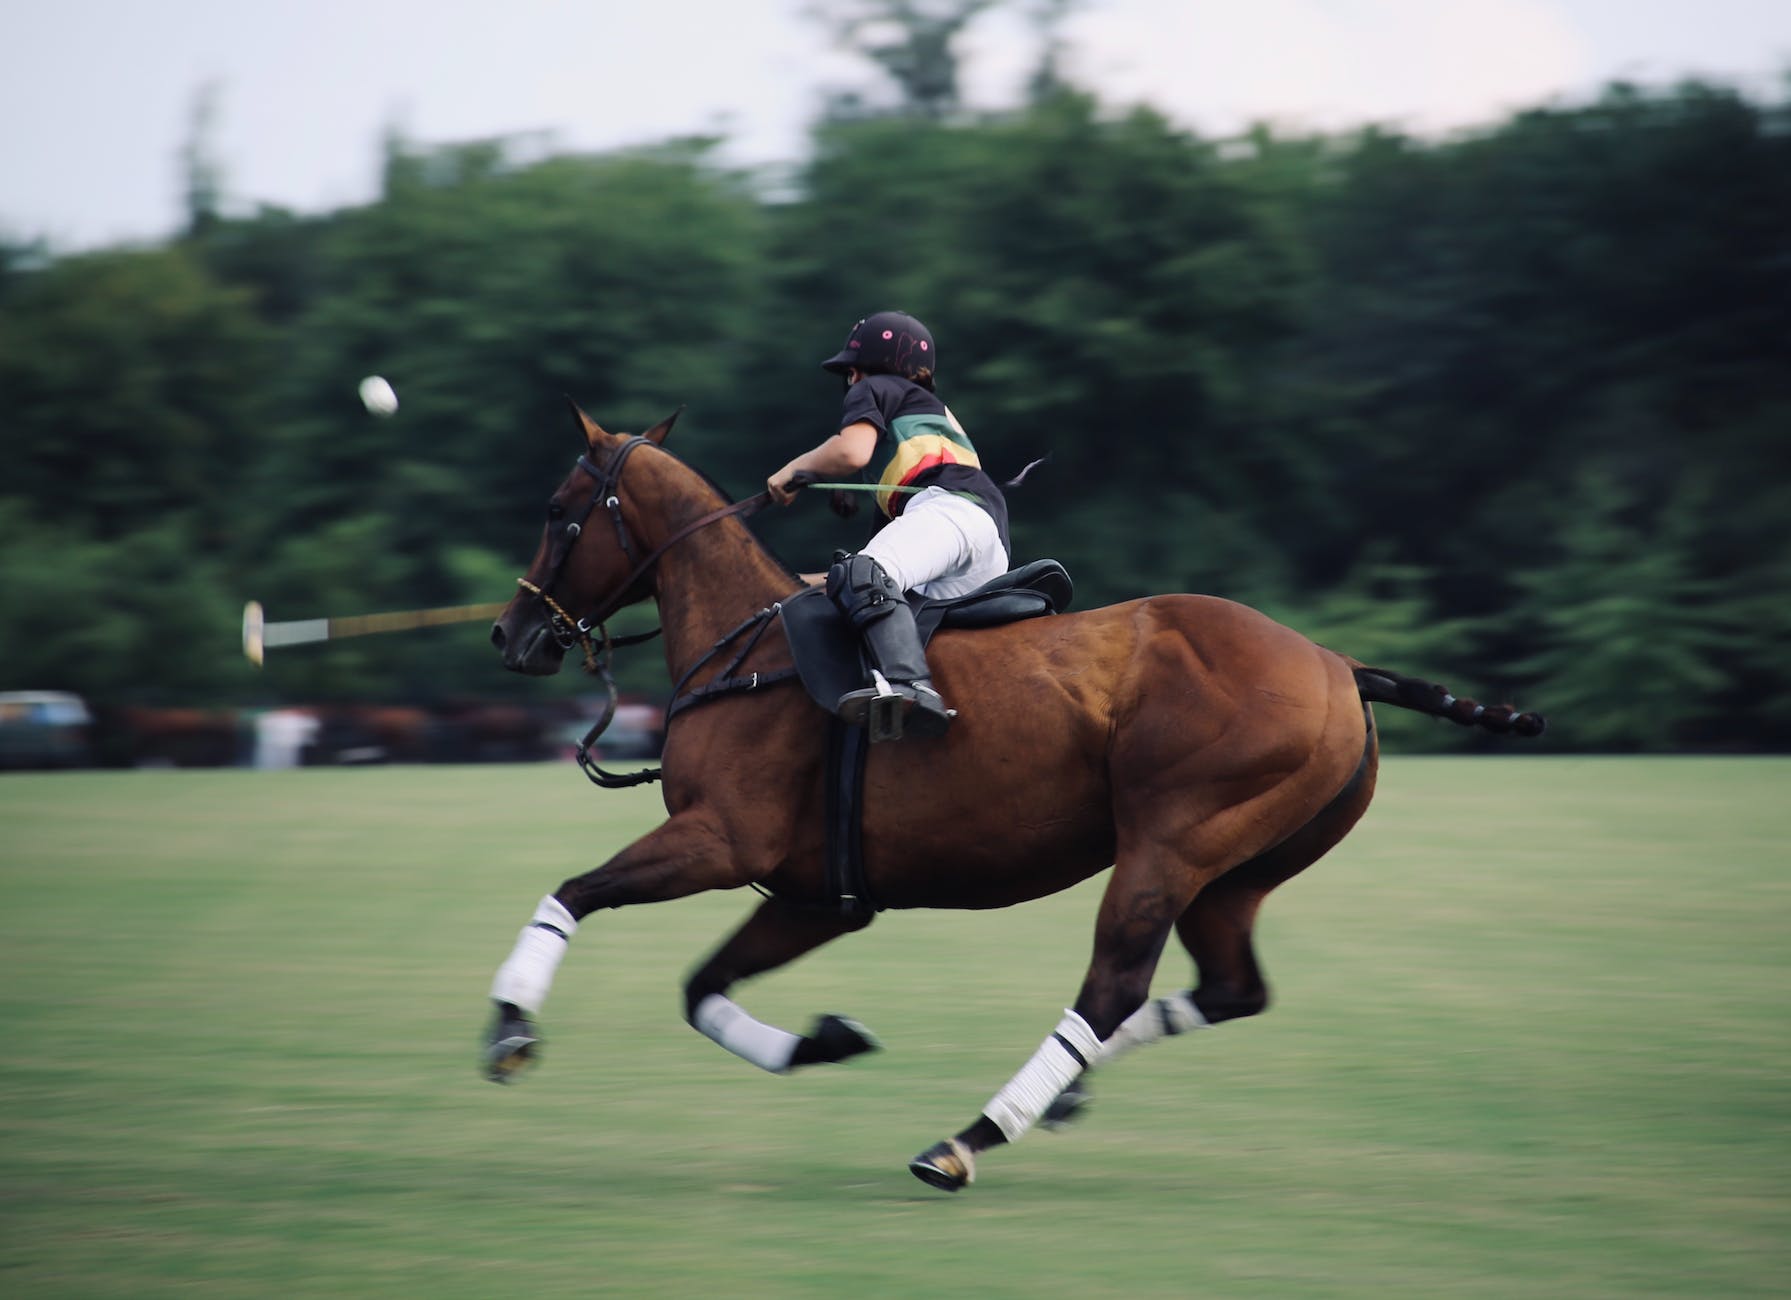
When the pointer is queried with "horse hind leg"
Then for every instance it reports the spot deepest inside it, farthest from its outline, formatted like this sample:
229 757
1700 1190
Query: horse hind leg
774 935
1112 1014
1147 892
1159 878
1162 868
1217 929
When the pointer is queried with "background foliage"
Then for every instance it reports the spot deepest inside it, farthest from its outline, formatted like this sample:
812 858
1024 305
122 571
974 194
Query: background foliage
1508 409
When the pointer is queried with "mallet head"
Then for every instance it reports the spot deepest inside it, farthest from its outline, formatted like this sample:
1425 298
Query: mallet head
254 637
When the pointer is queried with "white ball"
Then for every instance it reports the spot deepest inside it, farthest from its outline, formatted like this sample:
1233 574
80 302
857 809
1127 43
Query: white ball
377 395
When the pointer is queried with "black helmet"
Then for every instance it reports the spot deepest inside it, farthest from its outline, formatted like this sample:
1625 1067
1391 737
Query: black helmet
890 342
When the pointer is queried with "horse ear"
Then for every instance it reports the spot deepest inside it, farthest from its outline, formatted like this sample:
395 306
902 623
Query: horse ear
588 428
656 434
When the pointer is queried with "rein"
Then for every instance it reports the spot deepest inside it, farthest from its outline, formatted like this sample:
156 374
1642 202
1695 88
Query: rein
598 650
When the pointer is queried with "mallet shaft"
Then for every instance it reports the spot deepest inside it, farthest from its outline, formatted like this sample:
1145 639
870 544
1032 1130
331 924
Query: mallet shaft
260 635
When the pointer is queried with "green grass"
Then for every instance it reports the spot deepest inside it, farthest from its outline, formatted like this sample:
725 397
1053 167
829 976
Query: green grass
1530 1037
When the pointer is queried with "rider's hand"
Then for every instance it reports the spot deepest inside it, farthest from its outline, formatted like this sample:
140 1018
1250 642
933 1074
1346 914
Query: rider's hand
787 484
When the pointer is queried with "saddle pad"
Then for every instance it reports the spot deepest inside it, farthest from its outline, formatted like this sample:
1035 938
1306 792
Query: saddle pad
825 649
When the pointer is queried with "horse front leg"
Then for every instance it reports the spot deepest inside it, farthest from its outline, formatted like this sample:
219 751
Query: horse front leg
775 935
687 855
1137 916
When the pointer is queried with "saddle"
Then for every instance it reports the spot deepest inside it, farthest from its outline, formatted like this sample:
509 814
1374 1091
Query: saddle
830 662
828 656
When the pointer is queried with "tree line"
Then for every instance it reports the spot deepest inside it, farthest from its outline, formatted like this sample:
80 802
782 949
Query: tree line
1508 409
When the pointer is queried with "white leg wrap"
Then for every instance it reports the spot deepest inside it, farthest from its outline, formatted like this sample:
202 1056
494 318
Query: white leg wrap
728 1023
527 974
1063 1056
1157 1018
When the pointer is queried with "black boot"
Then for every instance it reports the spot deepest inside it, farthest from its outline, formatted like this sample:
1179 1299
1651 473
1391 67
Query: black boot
901 699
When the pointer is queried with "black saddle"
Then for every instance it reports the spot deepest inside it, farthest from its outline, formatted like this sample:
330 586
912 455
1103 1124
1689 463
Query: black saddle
828 658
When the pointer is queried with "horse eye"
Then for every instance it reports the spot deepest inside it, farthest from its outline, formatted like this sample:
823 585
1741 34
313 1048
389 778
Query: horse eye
555 510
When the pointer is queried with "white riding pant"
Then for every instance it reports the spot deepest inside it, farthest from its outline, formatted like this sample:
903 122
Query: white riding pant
941 544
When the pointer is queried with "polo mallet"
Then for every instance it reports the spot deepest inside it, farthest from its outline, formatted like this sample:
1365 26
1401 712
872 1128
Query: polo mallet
844 505
260 636
839 497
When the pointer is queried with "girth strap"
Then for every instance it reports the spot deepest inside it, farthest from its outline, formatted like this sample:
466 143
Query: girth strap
848 749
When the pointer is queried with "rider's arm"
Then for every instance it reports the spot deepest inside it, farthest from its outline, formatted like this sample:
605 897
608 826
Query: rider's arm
847 452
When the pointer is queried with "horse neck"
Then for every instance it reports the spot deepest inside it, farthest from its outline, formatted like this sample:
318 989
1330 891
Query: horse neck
711 582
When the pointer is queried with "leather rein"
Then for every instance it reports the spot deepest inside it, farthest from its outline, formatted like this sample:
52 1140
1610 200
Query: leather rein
598 648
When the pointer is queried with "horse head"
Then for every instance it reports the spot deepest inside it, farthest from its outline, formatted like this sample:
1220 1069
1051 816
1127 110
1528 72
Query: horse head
590 559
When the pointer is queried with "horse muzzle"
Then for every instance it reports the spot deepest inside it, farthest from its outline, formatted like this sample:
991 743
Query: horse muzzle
531 649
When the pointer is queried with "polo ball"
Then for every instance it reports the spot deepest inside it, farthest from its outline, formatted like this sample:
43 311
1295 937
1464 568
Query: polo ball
377 396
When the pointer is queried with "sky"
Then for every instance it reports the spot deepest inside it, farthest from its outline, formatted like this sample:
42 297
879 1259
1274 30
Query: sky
97 96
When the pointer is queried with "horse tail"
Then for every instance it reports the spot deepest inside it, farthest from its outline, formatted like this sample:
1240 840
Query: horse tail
1382 686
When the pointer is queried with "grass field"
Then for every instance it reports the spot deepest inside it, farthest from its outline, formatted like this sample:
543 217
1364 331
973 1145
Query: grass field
1530 1038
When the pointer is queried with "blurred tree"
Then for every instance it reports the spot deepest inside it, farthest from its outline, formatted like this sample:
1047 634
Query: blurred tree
202 171
147 617
130 393
1507 409
1047 19
1578 282
1628 640
273 256
911 41
18 259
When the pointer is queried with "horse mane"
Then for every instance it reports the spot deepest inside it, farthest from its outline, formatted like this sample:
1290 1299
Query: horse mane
728 499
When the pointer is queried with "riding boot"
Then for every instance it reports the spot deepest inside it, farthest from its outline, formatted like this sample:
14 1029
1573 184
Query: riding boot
901 698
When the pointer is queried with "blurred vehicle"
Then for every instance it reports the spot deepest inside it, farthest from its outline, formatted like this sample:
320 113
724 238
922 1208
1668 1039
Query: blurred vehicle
44 729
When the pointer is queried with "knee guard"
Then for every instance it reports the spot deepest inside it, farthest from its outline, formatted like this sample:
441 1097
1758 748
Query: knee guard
901 697
861 590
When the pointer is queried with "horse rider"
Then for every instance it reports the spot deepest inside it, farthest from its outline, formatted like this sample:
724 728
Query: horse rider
946 531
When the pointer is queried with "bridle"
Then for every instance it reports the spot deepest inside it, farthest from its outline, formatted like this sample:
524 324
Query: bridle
568 630
571 631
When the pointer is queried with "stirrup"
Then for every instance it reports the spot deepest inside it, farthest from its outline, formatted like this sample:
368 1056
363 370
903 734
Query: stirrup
888 712
878 708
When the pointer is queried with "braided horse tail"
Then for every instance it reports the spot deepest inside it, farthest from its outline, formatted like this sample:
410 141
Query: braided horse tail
1383 686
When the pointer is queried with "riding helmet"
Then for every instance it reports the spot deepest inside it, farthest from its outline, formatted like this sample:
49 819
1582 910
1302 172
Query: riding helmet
889 342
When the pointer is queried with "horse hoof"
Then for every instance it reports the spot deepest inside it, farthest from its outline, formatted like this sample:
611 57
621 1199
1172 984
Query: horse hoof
839 1038
947 1165
1068 1105
834 1038
509 1056
510 1048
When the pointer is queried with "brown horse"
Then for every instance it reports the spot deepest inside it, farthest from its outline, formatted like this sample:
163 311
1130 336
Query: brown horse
1203 751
